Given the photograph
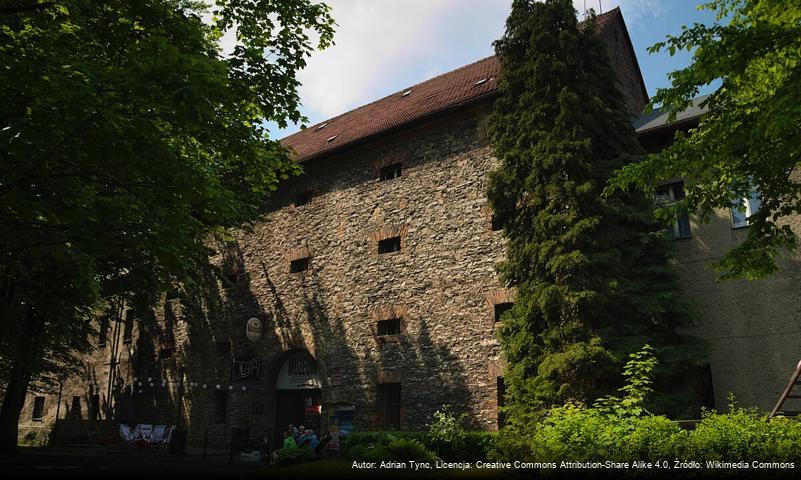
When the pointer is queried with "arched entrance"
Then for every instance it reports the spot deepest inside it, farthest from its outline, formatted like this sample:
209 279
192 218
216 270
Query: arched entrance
297 393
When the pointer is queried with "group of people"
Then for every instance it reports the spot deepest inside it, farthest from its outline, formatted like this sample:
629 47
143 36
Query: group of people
300 437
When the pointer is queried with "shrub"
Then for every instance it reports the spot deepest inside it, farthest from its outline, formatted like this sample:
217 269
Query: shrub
293 455
377 446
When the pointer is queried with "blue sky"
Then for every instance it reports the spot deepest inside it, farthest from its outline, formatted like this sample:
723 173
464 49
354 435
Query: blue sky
383 46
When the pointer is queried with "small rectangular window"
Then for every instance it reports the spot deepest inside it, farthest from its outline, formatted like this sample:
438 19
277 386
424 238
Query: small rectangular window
389 245
103 335
389 327
743 208
500 308
390 172
127 333
303 198
299 265
38 409
668 195
220 406
390 404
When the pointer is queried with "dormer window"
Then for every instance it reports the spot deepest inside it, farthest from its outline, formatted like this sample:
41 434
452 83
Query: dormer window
390 172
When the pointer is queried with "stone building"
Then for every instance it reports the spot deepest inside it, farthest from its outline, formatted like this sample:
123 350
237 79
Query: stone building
367 297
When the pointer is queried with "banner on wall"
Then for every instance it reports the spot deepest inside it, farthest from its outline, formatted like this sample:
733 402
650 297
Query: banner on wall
298 372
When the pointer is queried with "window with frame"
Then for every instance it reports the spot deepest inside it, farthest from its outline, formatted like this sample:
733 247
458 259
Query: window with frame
103 334
500 308
304 198
667 195
299 265
390 405
389 245
388 327
38 409
743 208
220 406
390 172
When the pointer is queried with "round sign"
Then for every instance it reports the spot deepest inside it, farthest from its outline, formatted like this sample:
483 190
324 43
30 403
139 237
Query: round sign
254 329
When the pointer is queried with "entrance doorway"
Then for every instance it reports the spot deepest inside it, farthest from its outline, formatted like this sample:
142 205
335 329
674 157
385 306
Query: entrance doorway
298 394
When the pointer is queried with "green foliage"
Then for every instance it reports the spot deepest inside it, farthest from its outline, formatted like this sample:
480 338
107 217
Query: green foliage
378 446
618 429
294 455
446 434
748 141
591 272
126 139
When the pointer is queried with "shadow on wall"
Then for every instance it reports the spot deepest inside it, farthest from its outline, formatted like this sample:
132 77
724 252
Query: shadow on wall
350 360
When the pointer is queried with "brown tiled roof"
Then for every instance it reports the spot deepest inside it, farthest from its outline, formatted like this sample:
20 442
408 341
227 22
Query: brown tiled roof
457 87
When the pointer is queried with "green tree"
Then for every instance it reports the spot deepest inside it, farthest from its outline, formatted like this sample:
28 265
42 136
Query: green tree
591 273
749 140
126 138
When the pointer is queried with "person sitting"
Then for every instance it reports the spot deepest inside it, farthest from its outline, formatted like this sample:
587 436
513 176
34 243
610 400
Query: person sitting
299 434
309 439
289 442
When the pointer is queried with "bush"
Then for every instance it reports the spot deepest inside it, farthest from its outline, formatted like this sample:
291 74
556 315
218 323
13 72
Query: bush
378 446
621 429
293 455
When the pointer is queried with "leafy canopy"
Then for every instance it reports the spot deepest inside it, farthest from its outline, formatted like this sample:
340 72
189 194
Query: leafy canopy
749 140
126 137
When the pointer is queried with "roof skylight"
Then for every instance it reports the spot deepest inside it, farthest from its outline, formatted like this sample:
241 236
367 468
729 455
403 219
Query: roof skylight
406 93
483 80
331 139
321 126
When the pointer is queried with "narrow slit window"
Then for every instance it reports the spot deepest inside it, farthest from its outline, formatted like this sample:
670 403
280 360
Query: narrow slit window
38 409
500 308
391 172
391 326
299 265
500 386
389 245
304 198
94 407
75 409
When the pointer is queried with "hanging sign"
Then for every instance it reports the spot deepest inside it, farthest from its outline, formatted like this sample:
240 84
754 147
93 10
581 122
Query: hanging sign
254 329
298 372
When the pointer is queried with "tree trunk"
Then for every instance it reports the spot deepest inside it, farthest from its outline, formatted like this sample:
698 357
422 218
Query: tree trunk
27 354
13 401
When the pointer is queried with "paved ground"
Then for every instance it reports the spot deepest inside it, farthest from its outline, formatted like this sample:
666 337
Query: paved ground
121 462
